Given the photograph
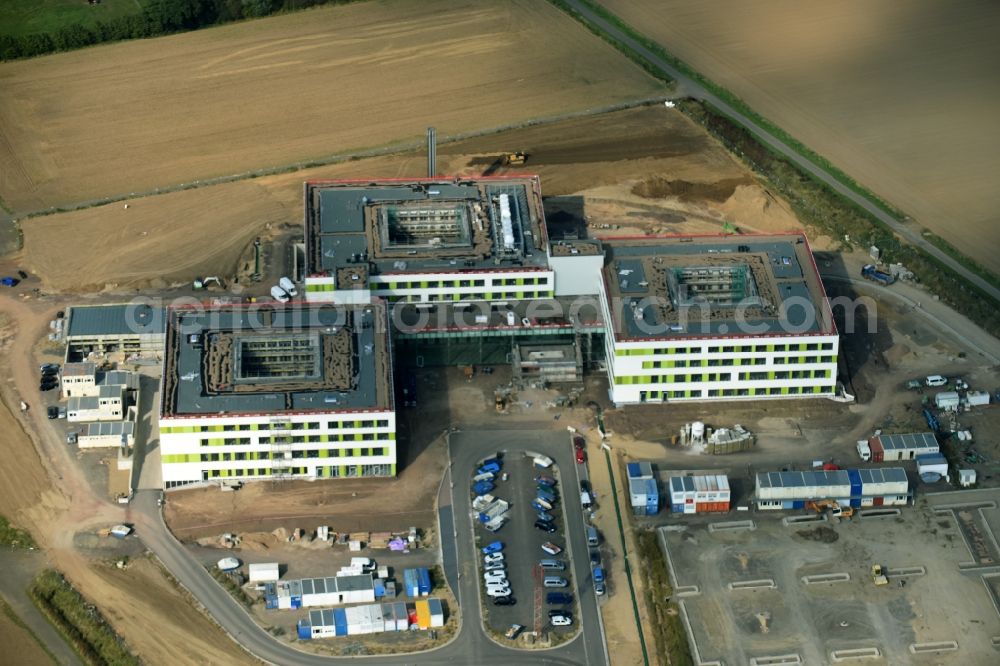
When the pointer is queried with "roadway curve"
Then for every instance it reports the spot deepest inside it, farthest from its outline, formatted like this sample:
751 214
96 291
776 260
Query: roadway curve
470 646
696 90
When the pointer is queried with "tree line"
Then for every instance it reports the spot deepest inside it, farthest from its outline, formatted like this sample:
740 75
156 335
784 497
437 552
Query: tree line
158 17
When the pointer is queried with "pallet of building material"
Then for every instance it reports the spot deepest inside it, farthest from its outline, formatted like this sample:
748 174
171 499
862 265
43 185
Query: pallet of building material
363 537
380 540
729 446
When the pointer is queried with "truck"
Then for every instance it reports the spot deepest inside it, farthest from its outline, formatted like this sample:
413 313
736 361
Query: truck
878 575
121 531
482 487
871 272
864 450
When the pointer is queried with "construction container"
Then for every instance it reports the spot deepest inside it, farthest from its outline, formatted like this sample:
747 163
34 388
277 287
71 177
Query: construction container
423 613
264 572
410 583
699 494
424 581
932 463
644 496
639 470
966 477
402 616
437 612
890 448
947 401
855 487
977 398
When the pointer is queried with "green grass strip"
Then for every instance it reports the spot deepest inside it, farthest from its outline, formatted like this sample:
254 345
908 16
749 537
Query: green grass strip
79 621
628 569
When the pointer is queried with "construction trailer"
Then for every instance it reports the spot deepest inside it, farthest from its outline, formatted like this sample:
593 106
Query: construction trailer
264 572
700 494
309 592
891 448
644 495
371 619
857 488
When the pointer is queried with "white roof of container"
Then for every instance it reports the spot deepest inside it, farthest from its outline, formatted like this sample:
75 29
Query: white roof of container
882 475
702 483
802 479
922 440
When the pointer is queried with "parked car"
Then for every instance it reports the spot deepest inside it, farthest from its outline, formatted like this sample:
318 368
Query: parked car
561 620
513 631
498 591
46 385
545 481
492 465
71 438
22 275
558 598
595 558
52 412
544 515
598 575
560 611
599 588
558 565
551 548
62 412
504 601
494 547
545 526
490 558
495 566
585 486
540 504
555 581
581 456
546 495
579 443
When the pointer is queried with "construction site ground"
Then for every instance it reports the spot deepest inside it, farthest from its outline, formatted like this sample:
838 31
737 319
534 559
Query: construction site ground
934 594
591 169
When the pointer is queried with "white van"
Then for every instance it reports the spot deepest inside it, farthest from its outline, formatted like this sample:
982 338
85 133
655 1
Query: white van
288 286
555 581
935 380
278 294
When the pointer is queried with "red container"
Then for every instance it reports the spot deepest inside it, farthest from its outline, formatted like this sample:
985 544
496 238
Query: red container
877 501
878 453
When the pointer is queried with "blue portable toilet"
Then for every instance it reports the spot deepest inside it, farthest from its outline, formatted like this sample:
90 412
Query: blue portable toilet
379 588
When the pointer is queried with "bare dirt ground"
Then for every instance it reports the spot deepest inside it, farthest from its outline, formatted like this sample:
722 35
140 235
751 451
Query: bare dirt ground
81 125
901 96
49 495
589 168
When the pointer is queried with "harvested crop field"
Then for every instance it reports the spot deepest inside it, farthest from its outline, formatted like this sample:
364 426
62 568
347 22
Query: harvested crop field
135 116
589 168
903 96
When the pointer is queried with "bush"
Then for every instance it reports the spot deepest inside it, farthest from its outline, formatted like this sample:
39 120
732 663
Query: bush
79 621
14 536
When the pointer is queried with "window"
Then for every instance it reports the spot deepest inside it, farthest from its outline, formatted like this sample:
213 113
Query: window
827 346
696 378
812 346
727 349
780 348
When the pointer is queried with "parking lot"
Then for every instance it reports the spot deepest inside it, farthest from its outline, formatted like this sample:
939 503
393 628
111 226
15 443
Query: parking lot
806 592
522 547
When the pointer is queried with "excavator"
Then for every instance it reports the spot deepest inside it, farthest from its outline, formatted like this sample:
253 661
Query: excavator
833 505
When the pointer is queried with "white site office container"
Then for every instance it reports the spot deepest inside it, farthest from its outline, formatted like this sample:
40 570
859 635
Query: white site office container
268 572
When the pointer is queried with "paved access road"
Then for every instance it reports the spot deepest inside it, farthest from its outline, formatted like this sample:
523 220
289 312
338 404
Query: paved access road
694 89
471 645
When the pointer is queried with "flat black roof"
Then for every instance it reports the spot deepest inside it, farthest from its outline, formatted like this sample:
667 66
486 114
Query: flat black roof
653 291
344 223
352 342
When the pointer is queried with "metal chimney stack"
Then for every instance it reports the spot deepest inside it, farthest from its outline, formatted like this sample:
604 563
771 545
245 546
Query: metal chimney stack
431 152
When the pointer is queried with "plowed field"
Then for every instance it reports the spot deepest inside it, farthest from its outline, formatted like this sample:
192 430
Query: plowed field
902 96
153 113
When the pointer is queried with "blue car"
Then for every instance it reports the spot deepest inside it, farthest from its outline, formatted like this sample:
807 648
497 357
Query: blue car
546 495
494 547
545 481
482 487
538 506
491 466
547 517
